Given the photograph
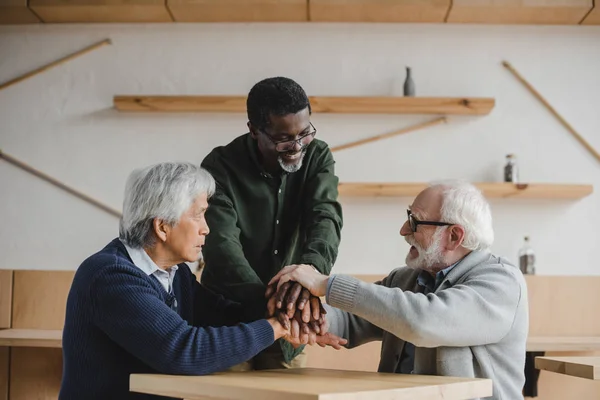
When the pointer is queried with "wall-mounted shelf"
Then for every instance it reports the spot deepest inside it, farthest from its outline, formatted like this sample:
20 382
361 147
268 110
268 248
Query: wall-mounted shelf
319 104
30 338
490 190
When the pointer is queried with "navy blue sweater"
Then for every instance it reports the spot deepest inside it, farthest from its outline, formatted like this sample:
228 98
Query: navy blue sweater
119 322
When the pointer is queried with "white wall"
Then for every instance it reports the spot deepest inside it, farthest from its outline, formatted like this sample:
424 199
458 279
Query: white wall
62 123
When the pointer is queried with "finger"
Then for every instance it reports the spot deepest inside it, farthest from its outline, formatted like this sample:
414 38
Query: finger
283 320
305 328
271 307
304 338
283 271
295 329
312 338
315 305
304 296
281 292
306 313
321 308
292 297
314 325
270 290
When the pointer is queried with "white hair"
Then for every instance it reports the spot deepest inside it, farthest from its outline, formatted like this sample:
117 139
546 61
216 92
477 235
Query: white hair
465 205
164 191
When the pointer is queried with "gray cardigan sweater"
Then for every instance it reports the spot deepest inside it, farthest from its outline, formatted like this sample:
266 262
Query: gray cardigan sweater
474 325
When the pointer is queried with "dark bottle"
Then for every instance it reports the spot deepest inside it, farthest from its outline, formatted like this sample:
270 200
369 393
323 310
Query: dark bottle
511 172
527 258
409 84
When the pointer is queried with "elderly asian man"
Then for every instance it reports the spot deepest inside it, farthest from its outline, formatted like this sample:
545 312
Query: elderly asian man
135 306
455 310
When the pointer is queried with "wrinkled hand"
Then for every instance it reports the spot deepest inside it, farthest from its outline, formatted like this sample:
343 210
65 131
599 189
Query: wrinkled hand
303 274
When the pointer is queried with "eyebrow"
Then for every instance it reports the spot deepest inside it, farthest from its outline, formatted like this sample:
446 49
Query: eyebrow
285 134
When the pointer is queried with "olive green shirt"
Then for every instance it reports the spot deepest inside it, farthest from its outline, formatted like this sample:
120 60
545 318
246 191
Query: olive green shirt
260 223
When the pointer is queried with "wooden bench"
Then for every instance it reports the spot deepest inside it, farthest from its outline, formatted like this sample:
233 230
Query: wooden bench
582 367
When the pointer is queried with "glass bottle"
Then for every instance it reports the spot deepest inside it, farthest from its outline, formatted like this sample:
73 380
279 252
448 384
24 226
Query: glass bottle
409 84
527 258
511 173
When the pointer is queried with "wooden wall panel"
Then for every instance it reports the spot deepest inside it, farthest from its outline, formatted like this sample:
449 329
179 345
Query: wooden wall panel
16 12
378 10
35 373
59 11
6 285
40 298
519 11
593 18
563 305
238 10
4 360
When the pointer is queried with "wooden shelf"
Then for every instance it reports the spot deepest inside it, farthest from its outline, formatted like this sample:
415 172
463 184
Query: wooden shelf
519 11
593 18
60 11
563 343
30 338
238 10
319 104
378 10
490 190
582 367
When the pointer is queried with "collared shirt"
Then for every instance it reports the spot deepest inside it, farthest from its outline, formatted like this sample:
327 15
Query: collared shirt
430 283
142 260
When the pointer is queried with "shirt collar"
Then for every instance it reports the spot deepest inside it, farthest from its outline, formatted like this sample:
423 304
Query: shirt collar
427 281
142 260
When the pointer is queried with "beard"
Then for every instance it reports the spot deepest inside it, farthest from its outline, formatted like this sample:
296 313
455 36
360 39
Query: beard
291 168
431 257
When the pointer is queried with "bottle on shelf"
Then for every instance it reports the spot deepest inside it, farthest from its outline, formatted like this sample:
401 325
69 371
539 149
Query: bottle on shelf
527 258
511 172
409 84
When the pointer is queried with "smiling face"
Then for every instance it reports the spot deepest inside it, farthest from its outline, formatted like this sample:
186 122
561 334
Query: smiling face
428 248
185 239
281 129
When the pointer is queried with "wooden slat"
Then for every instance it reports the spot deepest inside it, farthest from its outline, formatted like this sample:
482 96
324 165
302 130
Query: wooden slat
519 11
6 286
593 18
35 373
4 377
490 190
30 338
238 10
312 384
16 12
40 298
552 301
563 343
319 104
582 367
378 10
57 11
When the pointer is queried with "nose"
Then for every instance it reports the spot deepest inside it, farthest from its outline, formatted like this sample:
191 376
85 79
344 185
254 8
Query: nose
204 229
405 229
297 146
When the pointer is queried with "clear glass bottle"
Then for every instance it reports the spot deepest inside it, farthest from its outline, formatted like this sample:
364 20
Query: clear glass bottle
511 172
527 258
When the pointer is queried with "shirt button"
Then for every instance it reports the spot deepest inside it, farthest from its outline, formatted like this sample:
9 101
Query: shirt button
275 252
277 222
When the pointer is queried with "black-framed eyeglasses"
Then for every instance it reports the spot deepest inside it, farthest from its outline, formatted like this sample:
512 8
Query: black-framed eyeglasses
414 222
287 145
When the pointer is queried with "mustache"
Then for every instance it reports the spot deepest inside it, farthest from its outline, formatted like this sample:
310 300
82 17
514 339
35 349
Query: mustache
410 240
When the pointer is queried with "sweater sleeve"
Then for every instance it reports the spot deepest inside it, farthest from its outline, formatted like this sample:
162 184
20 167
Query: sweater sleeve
129 311
479 311
323 215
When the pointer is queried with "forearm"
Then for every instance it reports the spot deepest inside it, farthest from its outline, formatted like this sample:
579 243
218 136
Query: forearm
458 316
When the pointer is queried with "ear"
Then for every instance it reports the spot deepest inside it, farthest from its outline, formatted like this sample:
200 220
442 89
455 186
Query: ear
456 237
161 229
252 131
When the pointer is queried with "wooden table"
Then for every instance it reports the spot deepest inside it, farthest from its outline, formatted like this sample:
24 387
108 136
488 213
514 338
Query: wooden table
583 367
563 343
311 384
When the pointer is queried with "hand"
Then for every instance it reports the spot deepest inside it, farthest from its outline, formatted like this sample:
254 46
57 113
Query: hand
278 330
305 275
329 339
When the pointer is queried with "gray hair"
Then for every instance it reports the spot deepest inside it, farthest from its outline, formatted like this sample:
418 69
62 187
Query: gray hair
465 205
164 191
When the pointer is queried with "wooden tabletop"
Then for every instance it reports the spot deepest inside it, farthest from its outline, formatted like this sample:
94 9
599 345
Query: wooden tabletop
30 338
563 343
583 367
311 384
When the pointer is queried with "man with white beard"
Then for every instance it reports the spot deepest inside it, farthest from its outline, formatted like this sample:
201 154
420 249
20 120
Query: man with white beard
461 310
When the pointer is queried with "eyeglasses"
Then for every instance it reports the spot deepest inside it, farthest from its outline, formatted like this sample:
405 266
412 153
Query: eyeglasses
287 145
414 222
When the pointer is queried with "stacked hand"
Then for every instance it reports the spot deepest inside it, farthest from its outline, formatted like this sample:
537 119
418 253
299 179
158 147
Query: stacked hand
300 313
